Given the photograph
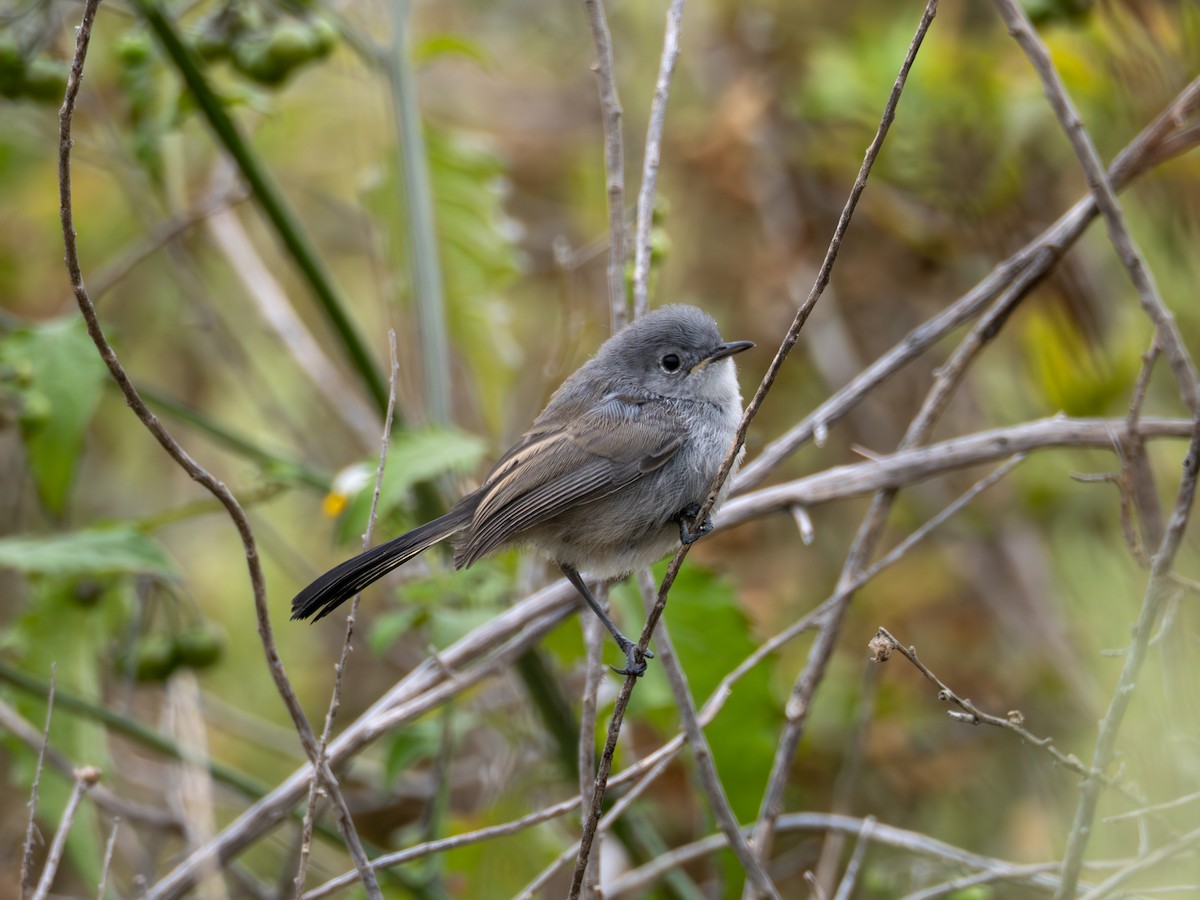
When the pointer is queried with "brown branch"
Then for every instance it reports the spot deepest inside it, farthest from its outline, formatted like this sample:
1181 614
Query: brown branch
31 826
710 781
1144 152
882 647
196 472
1178 359
85 779
1184 371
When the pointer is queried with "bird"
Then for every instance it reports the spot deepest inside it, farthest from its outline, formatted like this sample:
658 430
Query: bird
609 477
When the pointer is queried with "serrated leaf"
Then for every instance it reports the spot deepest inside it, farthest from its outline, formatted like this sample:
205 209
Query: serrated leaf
65 376
94 551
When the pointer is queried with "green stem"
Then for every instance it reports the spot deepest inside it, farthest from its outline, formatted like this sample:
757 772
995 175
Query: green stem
130 728
428 285
270 200
235 442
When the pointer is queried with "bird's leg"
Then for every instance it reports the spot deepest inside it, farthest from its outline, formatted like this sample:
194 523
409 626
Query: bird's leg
686 515
634 664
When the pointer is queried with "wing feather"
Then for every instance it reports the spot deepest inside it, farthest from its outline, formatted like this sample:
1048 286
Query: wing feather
609 447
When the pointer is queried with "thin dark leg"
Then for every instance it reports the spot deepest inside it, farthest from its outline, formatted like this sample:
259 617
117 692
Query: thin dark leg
686 535
633 664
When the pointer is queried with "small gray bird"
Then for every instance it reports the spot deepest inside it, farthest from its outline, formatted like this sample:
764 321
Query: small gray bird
608 477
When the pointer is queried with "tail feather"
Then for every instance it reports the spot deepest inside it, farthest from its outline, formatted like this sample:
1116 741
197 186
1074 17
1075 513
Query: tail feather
342 582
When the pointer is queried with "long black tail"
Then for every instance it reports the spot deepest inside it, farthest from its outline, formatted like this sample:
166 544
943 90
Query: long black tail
342 582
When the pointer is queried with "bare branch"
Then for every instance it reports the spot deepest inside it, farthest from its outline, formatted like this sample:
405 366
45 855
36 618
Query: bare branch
614 160
106 865
846 888
653 154
85 778
714 791
884 643
636 882
1143 153
1143 863
1101 188
31 825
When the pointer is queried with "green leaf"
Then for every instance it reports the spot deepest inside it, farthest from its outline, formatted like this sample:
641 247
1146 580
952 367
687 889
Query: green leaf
56 377
413 457
712 635
94 551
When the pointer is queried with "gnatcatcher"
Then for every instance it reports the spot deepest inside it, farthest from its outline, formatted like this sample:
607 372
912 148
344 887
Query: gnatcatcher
606 480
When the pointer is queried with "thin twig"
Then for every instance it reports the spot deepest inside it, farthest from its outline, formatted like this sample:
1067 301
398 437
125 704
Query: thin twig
652 157
637 882
1158 588
1142 863
710 781
594 671
172 447
1184 371
1153 809
614 160
884 643
445 844
106 866
152 817
85 778
1178 359
31 826
850 878
339 670
1143 153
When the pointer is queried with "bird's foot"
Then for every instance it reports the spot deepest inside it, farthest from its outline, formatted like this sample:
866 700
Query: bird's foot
686 515
635 660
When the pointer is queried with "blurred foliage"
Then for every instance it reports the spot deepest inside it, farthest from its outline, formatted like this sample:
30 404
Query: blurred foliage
121 573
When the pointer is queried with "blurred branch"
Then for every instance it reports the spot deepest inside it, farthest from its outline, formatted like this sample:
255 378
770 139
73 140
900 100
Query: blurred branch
235 442
652 157
115 805
280 317
1147 861
130 728
85 779
1146 151
413 164
1178 359
270 199
614 160
42 745
635 883
1184 371
162 235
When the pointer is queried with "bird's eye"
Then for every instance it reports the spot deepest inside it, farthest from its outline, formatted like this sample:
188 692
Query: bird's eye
670 363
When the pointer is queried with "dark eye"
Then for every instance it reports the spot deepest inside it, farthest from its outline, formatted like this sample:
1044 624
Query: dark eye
670 363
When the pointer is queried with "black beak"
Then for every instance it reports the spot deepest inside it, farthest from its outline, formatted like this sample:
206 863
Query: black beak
727 349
